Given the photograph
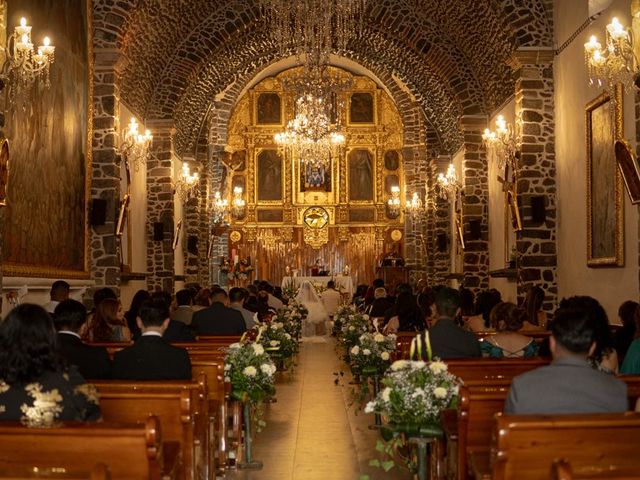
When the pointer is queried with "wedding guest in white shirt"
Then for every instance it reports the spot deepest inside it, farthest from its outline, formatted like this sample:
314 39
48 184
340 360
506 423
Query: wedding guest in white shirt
331 298
59 292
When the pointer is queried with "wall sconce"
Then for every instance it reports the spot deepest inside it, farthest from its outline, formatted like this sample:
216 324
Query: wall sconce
24 64
617 63
449 188
393 203
501 145
219 209
238 204
187 185
136 148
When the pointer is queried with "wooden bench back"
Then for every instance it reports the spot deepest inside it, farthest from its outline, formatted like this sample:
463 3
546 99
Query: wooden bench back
633 388
99 472
527 445
133 451
491 369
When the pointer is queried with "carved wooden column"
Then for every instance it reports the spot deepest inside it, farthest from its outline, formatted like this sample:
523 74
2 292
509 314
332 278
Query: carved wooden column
535 127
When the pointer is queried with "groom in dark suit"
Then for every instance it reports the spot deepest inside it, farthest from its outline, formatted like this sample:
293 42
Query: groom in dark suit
152 357
218 319
92 362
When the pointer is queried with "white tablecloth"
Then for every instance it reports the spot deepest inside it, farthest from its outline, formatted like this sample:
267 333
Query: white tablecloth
345 283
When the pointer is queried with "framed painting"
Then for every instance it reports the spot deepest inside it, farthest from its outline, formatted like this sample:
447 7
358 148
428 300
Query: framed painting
605 203
269 176
268 109
361 175
391 160
362 108
46 229
315 177
628 165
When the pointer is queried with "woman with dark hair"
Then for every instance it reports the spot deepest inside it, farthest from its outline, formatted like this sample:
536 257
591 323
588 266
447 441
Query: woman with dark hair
625 335
507 320
467 300
536 317
406 316
201 300
359 295
631 363
251 302
36 387
485 301
134 311
108 324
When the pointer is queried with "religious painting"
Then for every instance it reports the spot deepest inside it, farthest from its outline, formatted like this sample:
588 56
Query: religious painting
46 229
628 165
272 215
362 215
315 177
392 160
268 109
605 243
389 182
361 175
361 108
269 176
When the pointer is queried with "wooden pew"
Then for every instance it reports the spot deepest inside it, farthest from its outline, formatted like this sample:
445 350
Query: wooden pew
493 368
561 470
526 445
99 472
133 451
180 406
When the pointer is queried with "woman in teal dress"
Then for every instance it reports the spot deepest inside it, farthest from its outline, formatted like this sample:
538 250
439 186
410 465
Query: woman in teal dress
508 319
631 364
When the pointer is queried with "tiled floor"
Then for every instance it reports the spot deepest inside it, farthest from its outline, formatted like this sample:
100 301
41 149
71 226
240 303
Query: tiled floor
311 432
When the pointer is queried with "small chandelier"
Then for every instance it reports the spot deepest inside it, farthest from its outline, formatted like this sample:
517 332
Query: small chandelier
188 183
393 204
414 206
448 185
238 204
136 147
617 63
24 64
219 209
501 144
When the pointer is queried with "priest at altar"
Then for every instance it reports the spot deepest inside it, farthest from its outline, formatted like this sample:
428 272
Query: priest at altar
343 283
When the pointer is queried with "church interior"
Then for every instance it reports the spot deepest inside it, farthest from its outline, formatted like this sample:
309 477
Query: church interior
402 150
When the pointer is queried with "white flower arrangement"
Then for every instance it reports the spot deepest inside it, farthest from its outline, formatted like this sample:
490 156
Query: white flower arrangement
375 353
250 371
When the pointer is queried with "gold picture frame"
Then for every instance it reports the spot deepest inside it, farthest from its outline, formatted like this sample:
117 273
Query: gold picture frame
628 164
122 215
176 235
605 200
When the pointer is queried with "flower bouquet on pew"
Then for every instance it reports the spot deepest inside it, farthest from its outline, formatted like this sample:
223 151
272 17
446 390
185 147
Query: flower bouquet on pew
369 359
340 317
353 326
291 318
249 370
280 344
413 396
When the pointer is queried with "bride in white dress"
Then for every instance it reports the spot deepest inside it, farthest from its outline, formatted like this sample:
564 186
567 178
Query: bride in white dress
314 327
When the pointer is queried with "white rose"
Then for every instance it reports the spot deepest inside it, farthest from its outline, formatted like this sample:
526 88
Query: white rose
378 337
386 394
266 369
399 365
227 367
287 336
418 365
440 392
227 379
438 367
250 371
355 350
384 356
274 343
258 349
351 328
235 346
366 351
365 316
370 407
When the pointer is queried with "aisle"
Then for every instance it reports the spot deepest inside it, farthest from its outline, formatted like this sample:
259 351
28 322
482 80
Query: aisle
311 433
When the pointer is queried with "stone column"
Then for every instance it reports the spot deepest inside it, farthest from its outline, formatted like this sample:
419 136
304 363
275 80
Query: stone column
195 227
105 182
160 209
219 235
415 241
442 240
475 204
535 127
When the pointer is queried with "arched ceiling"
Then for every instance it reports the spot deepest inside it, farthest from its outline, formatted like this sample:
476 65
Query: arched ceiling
177 55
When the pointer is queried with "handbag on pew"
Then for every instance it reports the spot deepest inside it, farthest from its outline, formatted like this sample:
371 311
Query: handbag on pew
419 345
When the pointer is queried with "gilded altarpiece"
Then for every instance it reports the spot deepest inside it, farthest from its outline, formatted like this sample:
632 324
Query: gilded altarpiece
338 213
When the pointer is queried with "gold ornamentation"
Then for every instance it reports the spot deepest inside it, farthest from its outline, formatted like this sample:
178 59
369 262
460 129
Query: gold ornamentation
396 235
250 234
235 236
287 234
89 391
46 406
381 233
316 218
316 238
343 234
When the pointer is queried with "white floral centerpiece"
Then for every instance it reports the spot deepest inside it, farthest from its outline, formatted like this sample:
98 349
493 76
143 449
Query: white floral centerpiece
371 355
249 370
341 315
353 326
415 392
291 316
274 337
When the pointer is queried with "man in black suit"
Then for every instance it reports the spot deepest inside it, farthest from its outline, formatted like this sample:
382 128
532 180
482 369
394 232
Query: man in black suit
218 319
152 357
92 362
445 339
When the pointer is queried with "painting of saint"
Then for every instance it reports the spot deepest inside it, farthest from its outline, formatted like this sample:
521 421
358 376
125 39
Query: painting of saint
269 175
268 111
45 228
391 160
361 175
315 177
361 108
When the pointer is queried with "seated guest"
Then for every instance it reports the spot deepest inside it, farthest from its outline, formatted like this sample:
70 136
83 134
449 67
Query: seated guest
237 297
369 296
481 322
59 292
331 298
360 295
108 324
91 361
380 303
631 363
467 305
399 290
425 300
152 357
507 320
134 311
251 302
445 339
36 387
624 336
183 312
201 300
407 317
102 294
176 331
536 317
569 384
218 319
273 302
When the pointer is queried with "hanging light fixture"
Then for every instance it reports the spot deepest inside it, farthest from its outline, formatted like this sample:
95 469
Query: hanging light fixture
393 203
187 185
501 144
219 209
136 147
24 63
238 204
414 207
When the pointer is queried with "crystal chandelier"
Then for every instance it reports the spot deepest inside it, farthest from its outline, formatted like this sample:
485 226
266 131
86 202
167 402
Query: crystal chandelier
219 209
393 203
188 183
24 64
501 144
414 207
136 147
617 63
448 185
238 204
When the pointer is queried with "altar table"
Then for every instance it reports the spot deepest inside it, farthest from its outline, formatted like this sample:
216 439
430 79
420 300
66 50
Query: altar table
345 283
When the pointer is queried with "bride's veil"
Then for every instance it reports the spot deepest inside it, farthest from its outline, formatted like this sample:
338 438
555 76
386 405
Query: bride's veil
307 294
